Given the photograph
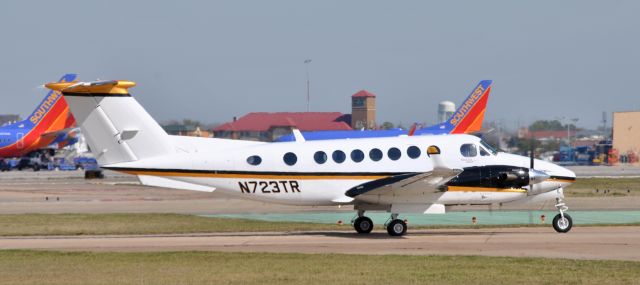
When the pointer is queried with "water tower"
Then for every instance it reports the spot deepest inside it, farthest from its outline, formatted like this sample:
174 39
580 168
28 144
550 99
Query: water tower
445 111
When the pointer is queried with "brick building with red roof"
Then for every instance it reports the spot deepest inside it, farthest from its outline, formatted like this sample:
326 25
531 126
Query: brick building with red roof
264 126
269 126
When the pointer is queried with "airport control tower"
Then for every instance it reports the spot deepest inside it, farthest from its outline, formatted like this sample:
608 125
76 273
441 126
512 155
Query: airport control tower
363 110
445 111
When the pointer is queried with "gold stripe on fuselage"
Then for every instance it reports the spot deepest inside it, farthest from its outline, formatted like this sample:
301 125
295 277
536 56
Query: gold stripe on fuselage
254 176
314 177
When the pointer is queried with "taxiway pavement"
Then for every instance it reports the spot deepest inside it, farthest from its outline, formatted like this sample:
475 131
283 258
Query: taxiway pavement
611 243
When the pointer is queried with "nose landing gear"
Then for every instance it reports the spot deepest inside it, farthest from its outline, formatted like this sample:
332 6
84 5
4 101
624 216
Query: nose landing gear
562 222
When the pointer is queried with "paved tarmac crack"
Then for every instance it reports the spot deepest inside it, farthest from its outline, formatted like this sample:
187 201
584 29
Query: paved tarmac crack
491 234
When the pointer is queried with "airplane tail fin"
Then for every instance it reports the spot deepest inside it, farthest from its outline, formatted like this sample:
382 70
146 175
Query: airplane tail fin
49 116
470 115
52 112
116 127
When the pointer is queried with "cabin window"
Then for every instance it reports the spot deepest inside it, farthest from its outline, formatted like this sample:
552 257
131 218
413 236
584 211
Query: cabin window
413 152
290 158
254 160
320 157
468 150
338 156
394 153
375 154
357 155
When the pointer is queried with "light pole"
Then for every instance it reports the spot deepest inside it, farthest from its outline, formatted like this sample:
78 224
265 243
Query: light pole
306 64
574 120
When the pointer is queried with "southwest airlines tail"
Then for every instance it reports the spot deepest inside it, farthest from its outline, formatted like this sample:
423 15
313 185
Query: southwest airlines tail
53 108
131 133
469 116
51 115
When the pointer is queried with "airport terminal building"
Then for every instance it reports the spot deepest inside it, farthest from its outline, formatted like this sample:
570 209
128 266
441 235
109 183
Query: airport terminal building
626 135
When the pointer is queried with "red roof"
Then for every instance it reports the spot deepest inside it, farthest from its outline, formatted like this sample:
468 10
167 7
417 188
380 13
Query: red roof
363 93
311 121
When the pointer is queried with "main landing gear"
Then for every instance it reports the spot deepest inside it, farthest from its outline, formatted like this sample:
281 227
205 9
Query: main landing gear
396 227
364 225
562 222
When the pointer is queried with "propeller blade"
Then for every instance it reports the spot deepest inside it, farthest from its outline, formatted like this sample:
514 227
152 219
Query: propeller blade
531 153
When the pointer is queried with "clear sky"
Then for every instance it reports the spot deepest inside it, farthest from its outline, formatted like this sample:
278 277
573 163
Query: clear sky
212 60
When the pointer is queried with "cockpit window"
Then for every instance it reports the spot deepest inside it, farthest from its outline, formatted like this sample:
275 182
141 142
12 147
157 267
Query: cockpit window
483 152
488 147
468 150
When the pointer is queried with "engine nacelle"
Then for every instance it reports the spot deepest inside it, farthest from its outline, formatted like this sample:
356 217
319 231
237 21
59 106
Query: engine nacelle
537 176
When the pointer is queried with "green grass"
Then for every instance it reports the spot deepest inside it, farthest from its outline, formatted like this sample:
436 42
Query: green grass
112 224
595 187
44 267
136 224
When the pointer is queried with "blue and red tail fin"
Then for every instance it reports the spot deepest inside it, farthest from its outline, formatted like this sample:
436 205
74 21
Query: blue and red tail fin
469 116
46 107
51 115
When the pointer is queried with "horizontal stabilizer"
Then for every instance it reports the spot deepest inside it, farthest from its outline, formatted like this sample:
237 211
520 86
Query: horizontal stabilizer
96 88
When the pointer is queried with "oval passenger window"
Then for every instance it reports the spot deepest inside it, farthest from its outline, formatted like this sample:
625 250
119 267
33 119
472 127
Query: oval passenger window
290 158
468 150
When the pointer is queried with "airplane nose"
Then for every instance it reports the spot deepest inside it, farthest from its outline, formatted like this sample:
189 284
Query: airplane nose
569 174
556 172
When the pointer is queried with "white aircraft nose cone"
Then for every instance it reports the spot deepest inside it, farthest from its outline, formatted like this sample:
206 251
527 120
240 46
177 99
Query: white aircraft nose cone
570 173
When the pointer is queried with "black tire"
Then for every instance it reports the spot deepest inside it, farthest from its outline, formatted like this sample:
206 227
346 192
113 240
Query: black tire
363 225
562 226
397 228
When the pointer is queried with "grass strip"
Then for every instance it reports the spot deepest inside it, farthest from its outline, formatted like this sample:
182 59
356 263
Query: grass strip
600 187
45 267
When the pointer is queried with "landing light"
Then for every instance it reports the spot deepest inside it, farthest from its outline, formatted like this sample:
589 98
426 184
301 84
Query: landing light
433 150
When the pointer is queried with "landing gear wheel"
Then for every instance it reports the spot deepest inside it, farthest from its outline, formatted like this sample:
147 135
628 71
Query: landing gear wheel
397 228
363 225
562 225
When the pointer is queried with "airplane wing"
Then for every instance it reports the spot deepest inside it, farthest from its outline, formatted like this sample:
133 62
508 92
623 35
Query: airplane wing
405 184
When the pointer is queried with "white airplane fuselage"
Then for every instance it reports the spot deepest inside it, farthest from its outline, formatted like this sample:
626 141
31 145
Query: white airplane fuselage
204 162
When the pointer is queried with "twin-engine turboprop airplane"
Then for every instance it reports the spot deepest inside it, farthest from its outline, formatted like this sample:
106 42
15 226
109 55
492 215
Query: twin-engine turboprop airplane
410 174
